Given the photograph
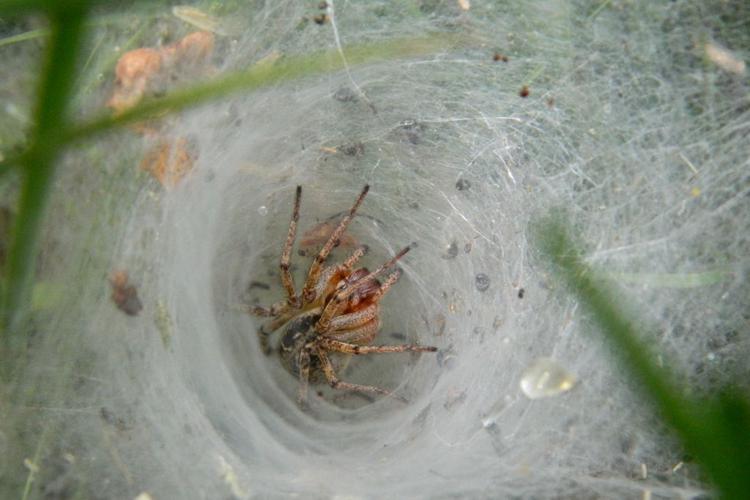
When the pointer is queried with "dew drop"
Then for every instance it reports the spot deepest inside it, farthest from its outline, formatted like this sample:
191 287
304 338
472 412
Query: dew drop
544 377
262 210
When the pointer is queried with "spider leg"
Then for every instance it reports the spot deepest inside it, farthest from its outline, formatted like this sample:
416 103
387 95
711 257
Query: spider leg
348 348
277 309
327 273
355 256
304 377
351 320
334 381
387 284
259 311
286 254
363 334
308 291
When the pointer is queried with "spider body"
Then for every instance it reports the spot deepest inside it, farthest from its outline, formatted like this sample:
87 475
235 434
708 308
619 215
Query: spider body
337 311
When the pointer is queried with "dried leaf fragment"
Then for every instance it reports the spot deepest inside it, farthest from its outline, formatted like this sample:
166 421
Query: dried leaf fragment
124 295
724 58
169 161
134 73
197 18
150 71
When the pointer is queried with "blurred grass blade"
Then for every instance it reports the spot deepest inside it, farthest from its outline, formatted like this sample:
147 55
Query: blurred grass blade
15 7
260 76
671 280
716 432
5 168
55 87
22 37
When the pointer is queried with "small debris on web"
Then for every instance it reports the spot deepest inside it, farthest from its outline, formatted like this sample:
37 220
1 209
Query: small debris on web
150 72
30 465
353 149
463 184
320 19
451 251
345 94
226 471
724 58
111 419
482 282
412 131
498 57
479 331
258 284
439 325
524 92
446 358
521 293
497 322
169 161
453 398
163 323
125 295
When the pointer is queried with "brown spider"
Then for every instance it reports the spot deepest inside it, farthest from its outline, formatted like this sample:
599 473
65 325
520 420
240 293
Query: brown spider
337 310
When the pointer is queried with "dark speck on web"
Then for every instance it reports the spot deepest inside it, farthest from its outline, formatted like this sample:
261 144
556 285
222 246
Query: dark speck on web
463 184
451 251
482 282
345 94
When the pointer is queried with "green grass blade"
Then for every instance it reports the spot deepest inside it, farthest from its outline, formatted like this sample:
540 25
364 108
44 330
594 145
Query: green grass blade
672 280
261 76
16 7
22 37
716 432
5 168
66 35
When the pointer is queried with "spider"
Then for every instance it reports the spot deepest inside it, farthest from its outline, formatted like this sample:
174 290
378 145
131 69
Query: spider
337 310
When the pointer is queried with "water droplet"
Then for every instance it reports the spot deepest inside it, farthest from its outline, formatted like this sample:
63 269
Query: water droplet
545 378
262 210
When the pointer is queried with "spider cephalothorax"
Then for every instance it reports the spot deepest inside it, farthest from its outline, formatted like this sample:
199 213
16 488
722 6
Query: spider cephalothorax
336 311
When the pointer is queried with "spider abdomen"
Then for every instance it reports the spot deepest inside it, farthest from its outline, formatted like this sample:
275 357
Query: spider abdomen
298 332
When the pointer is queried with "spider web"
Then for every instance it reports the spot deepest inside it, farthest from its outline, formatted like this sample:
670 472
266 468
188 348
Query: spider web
627 128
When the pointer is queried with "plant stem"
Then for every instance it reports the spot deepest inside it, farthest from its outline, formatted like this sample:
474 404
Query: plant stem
66 36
